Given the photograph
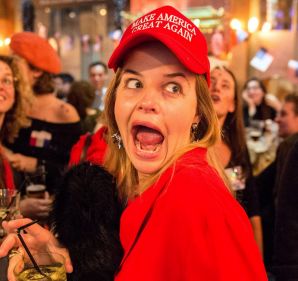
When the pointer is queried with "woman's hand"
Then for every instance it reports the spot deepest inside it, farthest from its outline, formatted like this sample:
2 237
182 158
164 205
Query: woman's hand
37 238
250 103
23 163
36 208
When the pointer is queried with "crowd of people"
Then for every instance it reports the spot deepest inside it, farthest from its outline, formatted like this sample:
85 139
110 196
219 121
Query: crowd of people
158 175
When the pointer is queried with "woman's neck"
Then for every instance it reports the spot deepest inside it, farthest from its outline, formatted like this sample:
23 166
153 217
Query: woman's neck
221 121
223 152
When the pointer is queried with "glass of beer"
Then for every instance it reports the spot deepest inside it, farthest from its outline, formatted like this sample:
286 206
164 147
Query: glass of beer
50 268
36 190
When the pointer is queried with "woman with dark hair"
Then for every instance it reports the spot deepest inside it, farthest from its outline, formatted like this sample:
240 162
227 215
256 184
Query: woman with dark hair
81 96
259 105
41 151
232 149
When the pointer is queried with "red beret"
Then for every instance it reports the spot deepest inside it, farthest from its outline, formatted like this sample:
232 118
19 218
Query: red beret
36 51
175 31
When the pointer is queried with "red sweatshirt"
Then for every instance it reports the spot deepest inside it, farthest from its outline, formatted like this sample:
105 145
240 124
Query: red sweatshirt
196 230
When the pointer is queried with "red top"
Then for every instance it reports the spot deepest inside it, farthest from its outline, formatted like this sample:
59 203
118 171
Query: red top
7 173
95 152
196 230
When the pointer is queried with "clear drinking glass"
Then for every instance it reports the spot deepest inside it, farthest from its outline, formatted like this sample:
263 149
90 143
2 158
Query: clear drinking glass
51 266
9 207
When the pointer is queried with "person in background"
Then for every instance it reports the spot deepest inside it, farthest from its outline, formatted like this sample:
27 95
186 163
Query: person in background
81 96
259 105
232 149
285 258
98 75
269 181
63 82
287 119
160 163
41 151
14 98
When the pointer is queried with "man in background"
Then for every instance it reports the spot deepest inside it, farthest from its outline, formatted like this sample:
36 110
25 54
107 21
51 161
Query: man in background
63 82
98 75
277 212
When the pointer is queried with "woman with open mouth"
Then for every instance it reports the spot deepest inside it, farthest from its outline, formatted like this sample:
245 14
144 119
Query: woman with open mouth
181 221
231 149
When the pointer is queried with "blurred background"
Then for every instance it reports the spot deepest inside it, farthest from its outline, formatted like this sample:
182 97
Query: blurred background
254 38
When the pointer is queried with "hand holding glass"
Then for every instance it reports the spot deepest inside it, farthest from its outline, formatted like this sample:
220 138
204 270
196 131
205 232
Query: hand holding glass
35 240
50 264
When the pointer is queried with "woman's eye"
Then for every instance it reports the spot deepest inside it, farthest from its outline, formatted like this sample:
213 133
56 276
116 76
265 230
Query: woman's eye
133 84
7 81
226 86
173 88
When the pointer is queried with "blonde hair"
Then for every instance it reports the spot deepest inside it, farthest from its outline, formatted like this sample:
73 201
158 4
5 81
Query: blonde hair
118 163
16 118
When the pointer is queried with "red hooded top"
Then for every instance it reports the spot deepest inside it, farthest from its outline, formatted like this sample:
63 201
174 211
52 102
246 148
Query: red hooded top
187 226
95 151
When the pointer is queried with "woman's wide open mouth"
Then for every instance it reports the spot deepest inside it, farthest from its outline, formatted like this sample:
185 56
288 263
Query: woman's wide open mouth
215 98
146 138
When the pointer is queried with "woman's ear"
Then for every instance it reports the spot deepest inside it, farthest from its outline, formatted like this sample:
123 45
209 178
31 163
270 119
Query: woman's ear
196 119
36 73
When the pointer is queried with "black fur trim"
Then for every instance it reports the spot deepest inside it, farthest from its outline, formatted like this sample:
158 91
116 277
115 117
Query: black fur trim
86 217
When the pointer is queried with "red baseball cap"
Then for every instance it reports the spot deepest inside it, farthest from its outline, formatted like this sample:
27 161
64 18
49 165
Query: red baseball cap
36 50
175 31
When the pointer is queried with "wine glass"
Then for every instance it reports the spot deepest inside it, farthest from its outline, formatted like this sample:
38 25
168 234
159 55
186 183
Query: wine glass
8 207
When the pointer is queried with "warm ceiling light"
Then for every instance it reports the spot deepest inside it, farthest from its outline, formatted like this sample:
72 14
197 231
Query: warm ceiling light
72 15
235 24
6 41
253 24
1 43
266 26
102 12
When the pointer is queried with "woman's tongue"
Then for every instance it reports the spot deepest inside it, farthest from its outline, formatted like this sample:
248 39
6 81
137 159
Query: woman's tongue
148 139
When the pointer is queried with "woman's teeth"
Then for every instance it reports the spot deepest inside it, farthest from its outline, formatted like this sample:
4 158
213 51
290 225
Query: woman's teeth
147 147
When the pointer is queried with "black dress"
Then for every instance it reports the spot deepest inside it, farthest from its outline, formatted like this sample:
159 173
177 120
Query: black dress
263 112
50 143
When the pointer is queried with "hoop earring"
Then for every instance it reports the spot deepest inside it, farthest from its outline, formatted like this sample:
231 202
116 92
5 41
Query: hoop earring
117 140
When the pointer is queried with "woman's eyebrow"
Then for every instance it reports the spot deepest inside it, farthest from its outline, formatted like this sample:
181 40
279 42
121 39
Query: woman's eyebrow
175 74
226 81
131 71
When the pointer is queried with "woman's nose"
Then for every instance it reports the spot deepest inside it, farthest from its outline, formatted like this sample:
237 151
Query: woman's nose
214 86
149 103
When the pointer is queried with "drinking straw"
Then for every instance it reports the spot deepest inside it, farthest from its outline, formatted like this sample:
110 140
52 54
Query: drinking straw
27 249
